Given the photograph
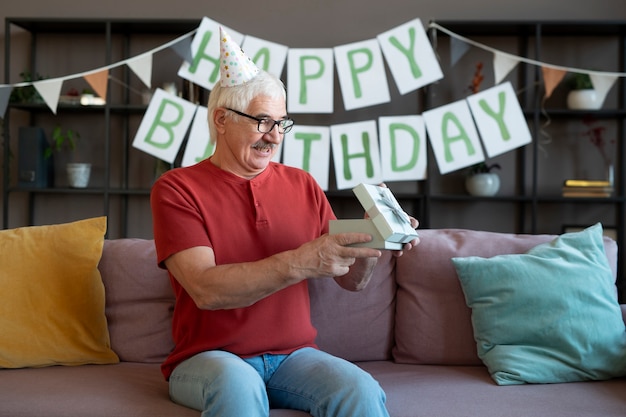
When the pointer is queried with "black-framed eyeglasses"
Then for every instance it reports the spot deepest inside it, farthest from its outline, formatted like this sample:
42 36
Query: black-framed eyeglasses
265 124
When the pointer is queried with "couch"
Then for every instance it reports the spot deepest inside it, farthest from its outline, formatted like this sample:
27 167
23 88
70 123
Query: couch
411 328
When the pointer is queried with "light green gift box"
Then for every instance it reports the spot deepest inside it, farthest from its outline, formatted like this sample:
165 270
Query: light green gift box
388 224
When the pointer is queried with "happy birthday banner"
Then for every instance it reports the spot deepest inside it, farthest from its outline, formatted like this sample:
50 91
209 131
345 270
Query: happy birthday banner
392 148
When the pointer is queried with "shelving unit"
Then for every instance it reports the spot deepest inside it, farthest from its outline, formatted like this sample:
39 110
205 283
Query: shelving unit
530 199
533 175
122 176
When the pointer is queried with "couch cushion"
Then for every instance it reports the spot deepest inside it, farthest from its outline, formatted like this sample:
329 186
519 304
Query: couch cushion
468 391
52 309
120 390
433 323
356 326
139 300
140 303
548 316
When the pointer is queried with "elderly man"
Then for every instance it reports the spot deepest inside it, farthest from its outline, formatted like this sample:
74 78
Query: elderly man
240 236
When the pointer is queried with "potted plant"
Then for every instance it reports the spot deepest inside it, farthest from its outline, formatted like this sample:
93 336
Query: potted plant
481 181
78 173
582 95
28 93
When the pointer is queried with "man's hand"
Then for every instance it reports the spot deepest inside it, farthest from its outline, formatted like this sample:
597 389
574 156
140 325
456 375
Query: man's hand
411 244
332 255
414 224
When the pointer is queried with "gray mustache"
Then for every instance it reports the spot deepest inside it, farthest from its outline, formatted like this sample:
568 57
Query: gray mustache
262 145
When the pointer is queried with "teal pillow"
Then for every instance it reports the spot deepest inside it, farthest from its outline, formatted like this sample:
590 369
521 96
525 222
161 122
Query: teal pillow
547 316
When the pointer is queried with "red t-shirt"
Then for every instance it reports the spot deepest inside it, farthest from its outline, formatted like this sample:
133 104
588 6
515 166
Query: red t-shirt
241 220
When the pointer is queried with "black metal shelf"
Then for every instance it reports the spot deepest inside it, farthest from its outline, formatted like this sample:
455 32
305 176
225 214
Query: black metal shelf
527 37
531 203
516 28
598 114
87 190
113 112
117 26
78 108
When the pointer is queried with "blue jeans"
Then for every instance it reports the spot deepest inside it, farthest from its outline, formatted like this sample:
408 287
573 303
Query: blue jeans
221 384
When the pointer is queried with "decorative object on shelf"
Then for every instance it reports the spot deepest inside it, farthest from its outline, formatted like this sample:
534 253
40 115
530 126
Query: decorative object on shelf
78 173
71 97
62 141
34 169
88 98
27 93
594 188
587 188
595 133
477 79
481 182
582 95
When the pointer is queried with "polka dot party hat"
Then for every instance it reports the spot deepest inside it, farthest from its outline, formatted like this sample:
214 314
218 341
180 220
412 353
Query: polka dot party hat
235 66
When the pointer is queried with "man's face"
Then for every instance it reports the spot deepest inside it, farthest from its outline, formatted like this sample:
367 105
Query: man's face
242 149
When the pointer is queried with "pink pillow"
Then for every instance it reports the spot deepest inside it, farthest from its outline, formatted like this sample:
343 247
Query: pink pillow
433 323
357 326
139 301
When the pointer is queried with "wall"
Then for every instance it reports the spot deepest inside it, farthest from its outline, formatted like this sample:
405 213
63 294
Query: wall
326 23
304 23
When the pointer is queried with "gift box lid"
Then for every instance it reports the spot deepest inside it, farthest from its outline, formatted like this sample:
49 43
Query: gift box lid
382 207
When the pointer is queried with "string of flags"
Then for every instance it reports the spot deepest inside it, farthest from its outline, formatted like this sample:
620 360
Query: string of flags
457 132
504 63
141 65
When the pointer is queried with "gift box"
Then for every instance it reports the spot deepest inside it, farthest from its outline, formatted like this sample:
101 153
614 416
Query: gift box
363 226
388 224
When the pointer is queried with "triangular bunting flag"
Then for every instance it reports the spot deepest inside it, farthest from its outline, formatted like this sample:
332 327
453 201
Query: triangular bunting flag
503 64
551 78
50 90
99 82
5 95
602 84
183 49
457 50
142 67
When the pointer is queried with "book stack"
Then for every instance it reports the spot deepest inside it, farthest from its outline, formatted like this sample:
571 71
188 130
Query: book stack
587 188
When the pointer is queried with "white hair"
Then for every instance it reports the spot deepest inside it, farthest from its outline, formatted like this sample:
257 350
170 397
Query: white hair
239 97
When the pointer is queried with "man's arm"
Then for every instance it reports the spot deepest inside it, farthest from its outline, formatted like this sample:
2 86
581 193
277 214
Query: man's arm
361 272
214 286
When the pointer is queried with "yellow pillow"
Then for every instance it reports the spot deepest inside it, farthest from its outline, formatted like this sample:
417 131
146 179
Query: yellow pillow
52 296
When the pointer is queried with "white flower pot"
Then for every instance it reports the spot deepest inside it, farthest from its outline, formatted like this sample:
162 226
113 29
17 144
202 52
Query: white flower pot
583 100
484 184
78 174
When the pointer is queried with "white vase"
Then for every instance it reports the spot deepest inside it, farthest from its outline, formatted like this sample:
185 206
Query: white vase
483 184
78 174
583 100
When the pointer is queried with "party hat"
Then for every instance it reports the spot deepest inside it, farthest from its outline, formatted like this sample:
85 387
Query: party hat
235 67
